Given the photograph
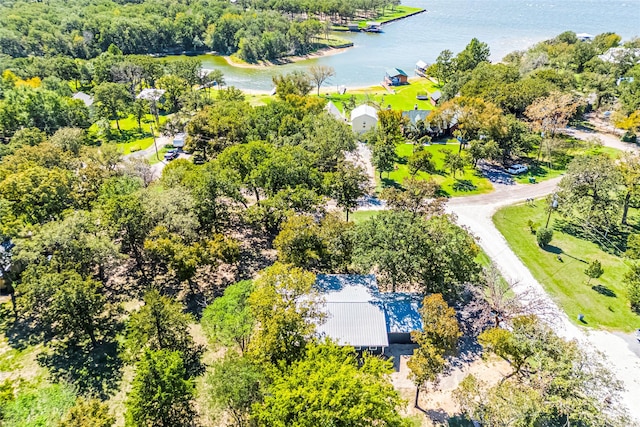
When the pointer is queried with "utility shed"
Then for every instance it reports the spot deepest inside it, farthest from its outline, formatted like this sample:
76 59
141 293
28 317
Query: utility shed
359 315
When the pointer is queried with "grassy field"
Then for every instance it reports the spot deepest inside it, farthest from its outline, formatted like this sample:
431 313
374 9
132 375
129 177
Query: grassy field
404 97
603 302
131 138
471 182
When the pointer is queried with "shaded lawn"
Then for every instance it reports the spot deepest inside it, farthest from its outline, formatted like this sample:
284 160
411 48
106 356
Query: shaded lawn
469 183
404 97
542 171
361 216
130 138
603 301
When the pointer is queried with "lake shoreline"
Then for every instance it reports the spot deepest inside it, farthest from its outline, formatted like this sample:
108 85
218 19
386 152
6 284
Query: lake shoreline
328 51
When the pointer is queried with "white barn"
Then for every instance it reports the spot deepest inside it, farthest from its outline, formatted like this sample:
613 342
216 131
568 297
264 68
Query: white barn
363 118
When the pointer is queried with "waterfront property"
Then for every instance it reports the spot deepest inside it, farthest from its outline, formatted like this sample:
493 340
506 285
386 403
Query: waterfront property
396 77
373 27
359 315
421 68
363 118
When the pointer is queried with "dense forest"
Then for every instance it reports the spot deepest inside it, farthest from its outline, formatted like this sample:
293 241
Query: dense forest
183 295
255 29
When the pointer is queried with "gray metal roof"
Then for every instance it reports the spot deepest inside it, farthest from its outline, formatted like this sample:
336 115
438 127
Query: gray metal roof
87 99
358 314
151 94
359 324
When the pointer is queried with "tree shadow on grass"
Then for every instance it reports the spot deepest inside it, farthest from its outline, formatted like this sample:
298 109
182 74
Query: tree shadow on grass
388 182
464 185
560 253
95 371
603 290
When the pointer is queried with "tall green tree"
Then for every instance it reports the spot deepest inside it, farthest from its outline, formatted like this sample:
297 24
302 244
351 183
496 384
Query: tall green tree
437 340
160 394
228 320
161 324
347 185
112 100
329 386
286 313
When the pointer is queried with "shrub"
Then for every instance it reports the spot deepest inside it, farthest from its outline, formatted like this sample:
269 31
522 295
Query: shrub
532 226
134 148
632 280
629 136
633 246
544 236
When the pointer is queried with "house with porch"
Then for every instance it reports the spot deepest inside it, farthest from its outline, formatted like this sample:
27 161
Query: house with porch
395 77
357 314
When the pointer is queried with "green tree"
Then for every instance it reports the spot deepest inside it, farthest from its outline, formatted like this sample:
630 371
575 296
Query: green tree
347 185
161 324
234 385
228 320
299 242
175 88
384 155
421 161
295 83
160 395
112 101
594 270
88 413
437 340
544 236
286 313
630 171
632 281
329 386
589 192
472 55
418 196
454 161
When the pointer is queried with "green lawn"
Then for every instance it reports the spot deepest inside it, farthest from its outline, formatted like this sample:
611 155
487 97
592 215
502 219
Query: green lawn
130 138
404 97
543 172
603 301
390 15
471 182
361 216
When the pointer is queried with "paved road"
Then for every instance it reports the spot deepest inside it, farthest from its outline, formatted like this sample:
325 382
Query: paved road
621 351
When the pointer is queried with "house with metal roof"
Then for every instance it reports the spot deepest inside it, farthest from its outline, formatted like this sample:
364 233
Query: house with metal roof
435 97
421 68
359 315
396 77
151 95
415 115
363 118
334 111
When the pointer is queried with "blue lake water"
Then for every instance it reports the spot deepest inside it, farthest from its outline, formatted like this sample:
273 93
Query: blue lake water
506 25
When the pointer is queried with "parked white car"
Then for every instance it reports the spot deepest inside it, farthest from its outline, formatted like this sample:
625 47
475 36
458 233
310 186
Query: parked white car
517 169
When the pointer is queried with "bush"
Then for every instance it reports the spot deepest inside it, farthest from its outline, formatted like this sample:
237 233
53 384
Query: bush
633 246
629 136
632 280
532 226
544 236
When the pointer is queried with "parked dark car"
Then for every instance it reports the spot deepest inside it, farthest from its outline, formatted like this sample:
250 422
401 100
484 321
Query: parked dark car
197 159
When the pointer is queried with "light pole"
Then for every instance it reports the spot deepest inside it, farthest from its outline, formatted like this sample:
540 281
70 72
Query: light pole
154 143
554 205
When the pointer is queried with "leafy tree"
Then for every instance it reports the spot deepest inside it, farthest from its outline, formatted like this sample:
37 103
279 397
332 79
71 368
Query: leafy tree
347 185
472 55
594 270
74 308
544 236
295 83
434 255
112 101
632 281
228 320
437 340
320 73
160 324
551 113
299 242
420 197
553 382
633 246
630 171
307 394
234 385
444 67
285 311
69 139
384 155
160 394
454 161
175 88
589 191
421 161
88 413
